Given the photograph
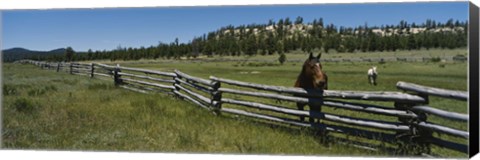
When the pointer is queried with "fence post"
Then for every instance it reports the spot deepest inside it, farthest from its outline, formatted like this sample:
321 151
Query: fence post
116 76
410 141
176 78
216 101
93 70
58 66
71 67
421 135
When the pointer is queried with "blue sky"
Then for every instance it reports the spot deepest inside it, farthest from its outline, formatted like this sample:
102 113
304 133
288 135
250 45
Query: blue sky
99 29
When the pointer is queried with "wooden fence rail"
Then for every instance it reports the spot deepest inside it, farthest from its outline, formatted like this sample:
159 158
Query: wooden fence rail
409 109
361 95
368 108
441 113
313 114
460 95
148 71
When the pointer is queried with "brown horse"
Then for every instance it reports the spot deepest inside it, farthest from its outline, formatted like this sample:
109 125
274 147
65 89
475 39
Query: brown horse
311 77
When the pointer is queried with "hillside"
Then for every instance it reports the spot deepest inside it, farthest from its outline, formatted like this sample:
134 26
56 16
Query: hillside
306 30
13 54
285 36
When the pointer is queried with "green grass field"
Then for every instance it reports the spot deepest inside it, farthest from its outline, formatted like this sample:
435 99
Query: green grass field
45 110
48 110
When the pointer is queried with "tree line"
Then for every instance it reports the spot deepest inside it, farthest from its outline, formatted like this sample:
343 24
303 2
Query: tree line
285 35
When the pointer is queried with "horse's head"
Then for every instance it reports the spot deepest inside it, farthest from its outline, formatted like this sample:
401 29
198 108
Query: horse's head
312 69
312 63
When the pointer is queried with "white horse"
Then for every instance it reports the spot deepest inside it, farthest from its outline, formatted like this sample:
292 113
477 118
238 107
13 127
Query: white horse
372 75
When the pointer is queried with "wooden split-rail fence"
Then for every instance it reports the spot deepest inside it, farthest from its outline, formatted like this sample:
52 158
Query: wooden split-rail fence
267 103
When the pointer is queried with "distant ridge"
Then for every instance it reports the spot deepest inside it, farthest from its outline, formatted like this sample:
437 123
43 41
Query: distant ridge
17 53
60 50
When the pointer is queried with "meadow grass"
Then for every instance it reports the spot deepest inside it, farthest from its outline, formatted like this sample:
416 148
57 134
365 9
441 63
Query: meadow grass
298 55
45 110
342 76
79 113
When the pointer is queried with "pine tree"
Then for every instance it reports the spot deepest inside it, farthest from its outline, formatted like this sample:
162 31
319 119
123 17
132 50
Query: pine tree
282 58
299 20
69 54
89 54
